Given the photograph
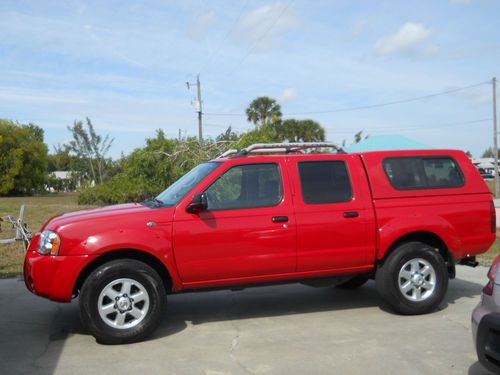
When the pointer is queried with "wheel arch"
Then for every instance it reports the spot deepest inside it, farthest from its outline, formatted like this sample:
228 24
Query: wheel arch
135 254
429 238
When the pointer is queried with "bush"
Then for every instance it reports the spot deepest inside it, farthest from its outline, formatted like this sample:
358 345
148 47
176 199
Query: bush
148 171
119 189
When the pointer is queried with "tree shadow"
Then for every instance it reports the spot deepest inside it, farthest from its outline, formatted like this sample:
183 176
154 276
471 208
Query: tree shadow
28 324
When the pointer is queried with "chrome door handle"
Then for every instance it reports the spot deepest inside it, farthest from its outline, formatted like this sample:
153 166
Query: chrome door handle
351 214
280 219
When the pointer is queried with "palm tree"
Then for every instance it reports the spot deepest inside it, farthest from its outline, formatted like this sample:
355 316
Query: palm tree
263 109
293 130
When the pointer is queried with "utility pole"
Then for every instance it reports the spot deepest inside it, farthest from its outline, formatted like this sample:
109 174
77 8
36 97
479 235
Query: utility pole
197 106
495 136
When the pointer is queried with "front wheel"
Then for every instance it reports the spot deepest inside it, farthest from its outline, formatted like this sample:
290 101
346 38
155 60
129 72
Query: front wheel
122 301
413 279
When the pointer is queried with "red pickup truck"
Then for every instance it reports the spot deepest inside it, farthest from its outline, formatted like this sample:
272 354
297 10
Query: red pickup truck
403 218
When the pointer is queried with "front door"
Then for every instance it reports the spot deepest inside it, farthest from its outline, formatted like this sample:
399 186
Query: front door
247 231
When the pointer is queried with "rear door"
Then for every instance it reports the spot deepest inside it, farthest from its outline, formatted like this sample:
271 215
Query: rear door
248 229
334 214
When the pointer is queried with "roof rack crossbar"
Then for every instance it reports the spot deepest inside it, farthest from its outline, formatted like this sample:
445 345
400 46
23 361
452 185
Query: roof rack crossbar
279 147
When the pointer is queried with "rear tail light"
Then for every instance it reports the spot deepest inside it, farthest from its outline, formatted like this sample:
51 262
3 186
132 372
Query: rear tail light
493 269
493 218
488 289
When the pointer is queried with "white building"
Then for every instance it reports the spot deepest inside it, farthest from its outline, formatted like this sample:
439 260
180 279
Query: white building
65 181
485 166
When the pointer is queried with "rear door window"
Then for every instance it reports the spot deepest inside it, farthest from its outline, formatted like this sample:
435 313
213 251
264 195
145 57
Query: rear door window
324 182
408 173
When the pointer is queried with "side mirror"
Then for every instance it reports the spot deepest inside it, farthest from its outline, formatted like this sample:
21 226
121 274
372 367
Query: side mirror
198 204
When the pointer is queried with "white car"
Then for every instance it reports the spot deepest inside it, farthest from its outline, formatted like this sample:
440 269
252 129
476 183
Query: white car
486 321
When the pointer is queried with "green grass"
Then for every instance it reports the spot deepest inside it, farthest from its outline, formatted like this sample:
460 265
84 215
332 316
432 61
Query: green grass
486 258
491 185
38 210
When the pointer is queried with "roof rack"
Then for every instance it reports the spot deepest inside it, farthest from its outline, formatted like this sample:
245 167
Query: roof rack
279 148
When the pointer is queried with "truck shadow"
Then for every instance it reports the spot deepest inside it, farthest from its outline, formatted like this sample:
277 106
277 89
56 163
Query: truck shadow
225 305
280 300
459 288
36 331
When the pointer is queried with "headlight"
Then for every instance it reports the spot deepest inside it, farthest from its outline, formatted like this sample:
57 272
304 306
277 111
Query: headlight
49 242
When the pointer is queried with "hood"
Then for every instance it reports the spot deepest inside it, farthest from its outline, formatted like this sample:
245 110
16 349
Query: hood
115 211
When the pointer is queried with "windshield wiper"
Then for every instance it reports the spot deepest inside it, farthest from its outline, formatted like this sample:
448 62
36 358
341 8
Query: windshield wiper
153 202
158 202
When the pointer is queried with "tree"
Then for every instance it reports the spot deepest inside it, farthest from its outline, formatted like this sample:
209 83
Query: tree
23 158
299 131
358 137
228 136
488 153
90 146
264 134
149 170
61 160
263 110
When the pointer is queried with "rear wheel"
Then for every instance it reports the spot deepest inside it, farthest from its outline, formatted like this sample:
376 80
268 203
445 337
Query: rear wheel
122 301
413 279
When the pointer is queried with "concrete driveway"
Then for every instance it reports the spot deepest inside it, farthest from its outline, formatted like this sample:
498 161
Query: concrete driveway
286 329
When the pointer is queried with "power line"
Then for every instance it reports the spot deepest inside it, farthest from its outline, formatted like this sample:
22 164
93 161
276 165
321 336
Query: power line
258 40
369 106
229 31
417 127
378 129
390 103
225 126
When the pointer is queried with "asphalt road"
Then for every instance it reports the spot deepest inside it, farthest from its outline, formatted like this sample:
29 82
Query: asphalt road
286 329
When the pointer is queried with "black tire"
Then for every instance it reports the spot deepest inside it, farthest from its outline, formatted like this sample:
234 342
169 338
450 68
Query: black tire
110 276
388 279
354 282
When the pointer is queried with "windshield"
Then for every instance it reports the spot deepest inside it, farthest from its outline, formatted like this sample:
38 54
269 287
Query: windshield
175 192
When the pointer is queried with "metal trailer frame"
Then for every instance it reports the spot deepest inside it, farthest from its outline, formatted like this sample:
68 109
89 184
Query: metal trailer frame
22 232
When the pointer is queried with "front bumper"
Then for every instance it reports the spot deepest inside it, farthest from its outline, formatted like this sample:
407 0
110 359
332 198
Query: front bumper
53 277
482 309
488 342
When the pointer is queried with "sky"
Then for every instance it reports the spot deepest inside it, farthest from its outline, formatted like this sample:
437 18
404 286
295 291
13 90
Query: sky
124 65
